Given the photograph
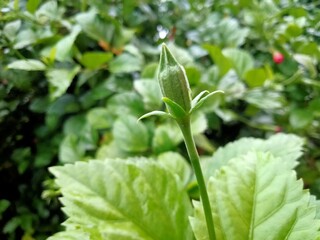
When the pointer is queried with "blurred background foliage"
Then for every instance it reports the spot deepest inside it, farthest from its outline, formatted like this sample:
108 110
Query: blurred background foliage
76 75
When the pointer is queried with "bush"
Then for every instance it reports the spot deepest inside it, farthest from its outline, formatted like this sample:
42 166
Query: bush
75 76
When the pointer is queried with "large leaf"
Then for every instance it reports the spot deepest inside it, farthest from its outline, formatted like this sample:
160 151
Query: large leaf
286 146
257 196
131 199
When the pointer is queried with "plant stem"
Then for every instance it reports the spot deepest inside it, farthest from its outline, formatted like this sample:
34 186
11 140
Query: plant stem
185 127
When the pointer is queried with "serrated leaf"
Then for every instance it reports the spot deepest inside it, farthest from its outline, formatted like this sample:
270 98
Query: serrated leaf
132 199
27 65
286 146
131 135
258 197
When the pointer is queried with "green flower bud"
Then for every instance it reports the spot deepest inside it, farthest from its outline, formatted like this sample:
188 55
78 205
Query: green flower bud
173 80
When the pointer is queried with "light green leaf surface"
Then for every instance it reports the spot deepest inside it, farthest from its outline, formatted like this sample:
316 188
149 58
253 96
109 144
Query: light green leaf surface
64 46
176 164
94 60
60 80
134 199
125 63
131 135
242 61
150 91
286 146
258 197
27 65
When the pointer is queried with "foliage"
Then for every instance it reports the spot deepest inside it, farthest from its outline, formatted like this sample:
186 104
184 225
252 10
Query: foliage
255 194
70 71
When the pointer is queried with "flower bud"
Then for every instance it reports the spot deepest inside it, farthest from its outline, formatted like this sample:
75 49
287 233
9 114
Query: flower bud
173 80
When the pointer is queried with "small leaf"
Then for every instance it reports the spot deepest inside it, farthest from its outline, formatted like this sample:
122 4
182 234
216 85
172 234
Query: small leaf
60 80
27 65
197 98
242 208
175 110
125 63
154 113
242 61
150 91
94 60
202 100
64 46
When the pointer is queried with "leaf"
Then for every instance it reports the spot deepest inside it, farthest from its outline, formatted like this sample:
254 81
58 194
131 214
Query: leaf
93 60
95 26
100 118
32 5
224 64
27 65
285 146
150 92
176 164
256 77
230 33
154 113
174 108
11 29
64 46
300 118
60 80
257 196
131 135
69 150
264 99
125 63
242 61
4 204
126 103
134 199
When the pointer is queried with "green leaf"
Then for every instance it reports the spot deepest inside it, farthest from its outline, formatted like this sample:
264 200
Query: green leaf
11 29
60 80
120 199
27 65
32 5
69 150
100 118
166 137
241 60
126 103
131 135
285 146
95 26
4 204
242 208
150 92
224 64
256 77
198 102
300 118
264 99
93 60
174 108
176 164
25 38
154 113
64 46
125 63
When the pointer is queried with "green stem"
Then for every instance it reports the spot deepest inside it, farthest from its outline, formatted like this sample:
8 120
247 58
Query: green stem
185 127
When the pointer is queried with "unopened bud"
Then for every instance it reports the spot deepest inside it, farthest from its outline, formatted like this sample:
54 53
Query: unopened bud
173 80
